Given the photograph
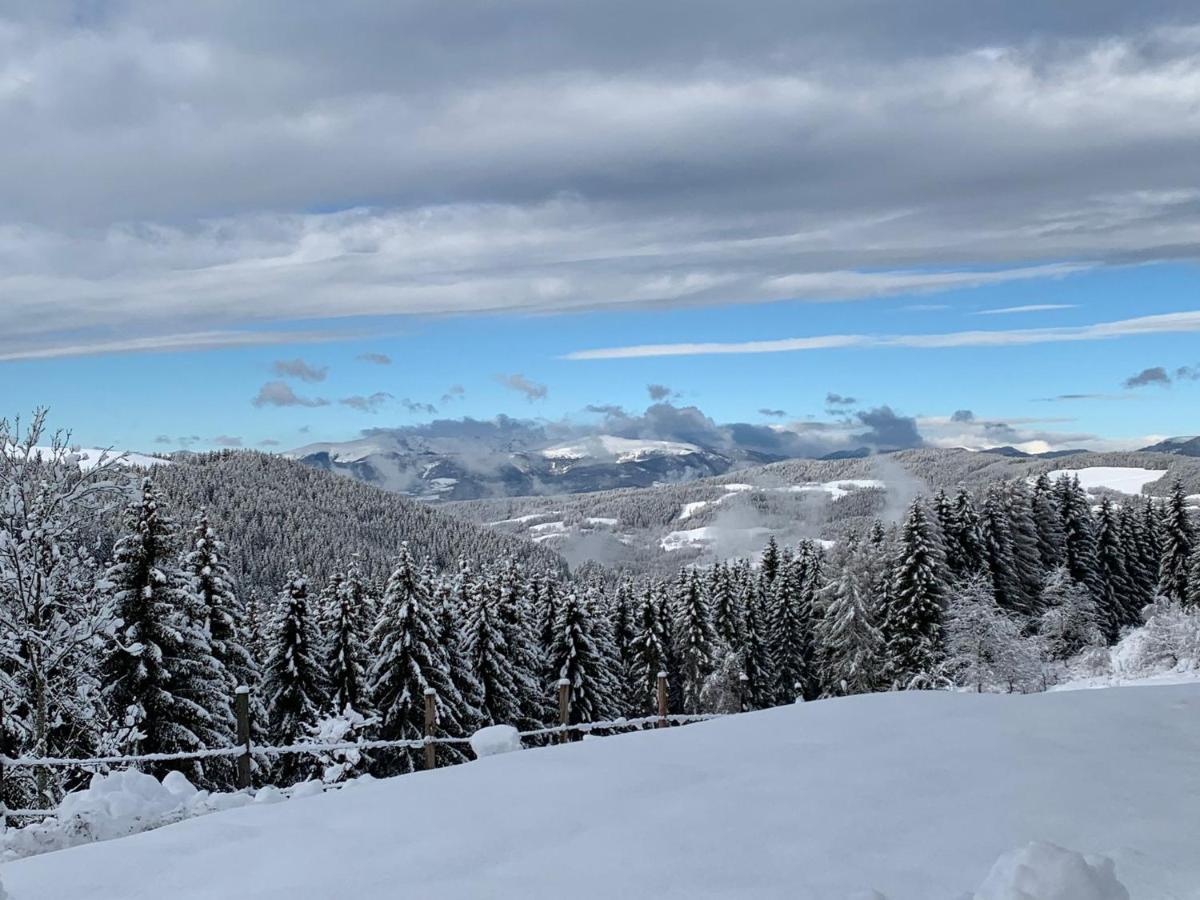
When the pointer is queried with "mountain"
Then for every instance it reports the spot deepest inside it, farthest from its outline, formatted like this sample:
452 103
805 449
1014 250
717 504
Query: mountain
272 511
1180 446
442 471
1017 453
657 529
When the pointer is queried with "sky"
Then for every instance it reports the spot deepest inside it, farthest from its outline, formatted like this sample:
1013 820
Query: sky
269 224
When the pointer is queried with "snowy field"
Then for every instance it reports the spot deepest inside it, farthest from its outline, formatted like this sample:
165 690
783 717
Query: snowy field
1123 479
912 795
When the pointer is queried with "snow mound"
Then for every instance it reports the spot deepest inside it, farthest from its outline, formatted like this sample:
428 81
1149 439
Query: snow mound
494 740
1041 871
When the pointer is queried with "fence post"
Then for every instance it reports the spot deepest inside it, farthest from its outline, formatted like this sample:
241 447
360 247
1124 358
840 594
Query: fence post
430 725
564 708
241 708
662 700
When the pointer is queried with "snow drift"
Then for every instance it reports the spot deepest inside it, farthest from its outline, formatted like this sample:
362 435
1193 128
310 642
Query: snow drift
914 796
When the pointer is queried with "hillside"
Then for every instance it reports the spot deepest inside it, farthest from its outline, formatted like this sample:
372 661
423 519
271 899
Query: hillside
273 510
659 528
914 795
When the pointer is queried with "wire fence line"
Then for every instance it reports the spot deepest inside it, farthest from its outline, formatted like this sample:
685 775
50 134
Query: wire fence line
244 751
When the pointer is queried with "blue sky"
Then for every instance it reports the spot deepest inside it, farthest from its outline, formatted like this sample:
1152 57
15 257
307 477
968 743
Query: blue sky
585 199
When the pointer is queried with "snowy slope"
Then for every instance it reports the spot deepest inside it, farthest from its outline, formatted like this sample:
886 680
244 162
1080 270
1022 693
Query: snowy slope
89 457
913 795
1123 479
607 446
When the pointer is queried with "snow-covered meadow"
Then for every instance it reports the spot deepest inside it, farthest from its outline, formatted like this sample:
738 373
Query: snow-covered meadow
914 795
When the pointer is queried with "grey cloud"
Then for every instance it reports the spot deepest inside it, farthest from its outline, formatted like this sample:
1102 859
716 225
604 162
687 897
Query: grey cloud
435 133
379 359
368 404
660 392
227 440
414 406
1188 373
522 385
454 392
888 431
298 368
1155 375
280 393
608 409
773 413
163 439
832 399
268 442
963 415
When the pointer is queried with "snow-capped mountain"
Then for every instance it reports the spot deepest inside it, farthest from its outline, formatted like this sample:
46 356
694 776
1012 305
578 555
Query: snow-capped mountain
463 470
1180 446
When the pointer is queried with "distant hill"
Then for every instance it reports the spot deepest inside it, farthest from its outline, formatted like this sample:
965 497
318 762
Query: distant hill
1180 446
272 510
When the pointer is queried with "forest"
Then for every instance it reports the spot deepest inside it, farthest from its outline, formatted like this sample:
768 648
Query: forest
130 613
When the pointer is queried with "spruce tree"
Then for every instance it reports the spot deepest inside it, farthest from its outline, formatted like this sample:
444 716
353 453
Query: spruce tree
1178 541
694 639
791 628
1079 530
580 654
648 650
450 636
769 564
161 681
516 618
295 682
912 620
486 652
998 552
346 630
1052 539
1026 555
1117 599
850 640
756 662
726 613
410 660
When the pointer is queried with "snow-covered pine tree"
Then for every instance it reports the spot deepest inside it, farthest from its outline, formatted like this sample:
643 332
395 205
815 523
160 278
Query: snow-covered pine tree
998 552
450 617
163 687
409 661
621 626
1118 597
346 628
582 658
769 563
966 554
1026 555
51 615
984 646
912 619
486 653
648 650
1178 540
791 625
516 617
1047 520
295 681
851 644
1080 543
759 689
694 638
726 611
1192 600
1139 563
1070 620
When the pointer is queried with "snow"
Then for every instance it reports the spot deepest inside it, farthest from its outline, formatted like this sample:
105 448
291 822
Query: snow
908 796
1041 871
89 457
677 540
607 446
840 488
1123 479
521 520
689 509
494 740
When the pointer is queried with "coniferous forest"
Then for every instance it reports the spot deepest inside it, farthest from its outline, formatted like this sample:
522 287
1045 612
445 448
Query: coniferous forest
128 617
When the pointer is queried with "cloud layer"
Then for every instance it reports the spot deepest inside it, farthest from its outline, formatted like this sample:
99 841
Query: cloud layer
198 168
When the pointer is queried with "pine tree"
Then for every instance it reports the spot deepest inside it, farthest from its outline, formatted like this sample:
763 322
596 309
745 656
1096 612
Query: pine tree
1142 574
648 650
726 614
694 639
769 565
486 651
1052 539
622 624
161 681
1026 555
966 554
1080 539
410 660
1117 600
851 642
346 630
295 682
998 552
791 627
450 636
1178 541
912 619
515 615
582 658
757 666
1192 600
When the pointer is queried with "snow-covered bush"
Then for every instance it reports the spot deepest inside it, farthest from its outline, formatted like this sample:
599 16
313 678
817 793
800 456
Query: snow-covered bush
1170 640
495 739
341 765
1042 871
1070 622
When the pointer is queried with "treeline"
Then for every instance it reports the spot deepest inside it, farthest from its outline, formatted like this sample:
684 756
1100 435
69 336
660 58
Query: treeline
141 652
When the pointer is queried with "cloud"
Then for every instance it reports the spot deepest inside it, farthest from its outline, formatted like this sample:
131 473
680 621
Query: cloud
163 439
298 368
608 409
1155 375
1036 307
773 413
379 359
268 442
660 392
414 406
963 415
227 440
447 171
280 393
454 392
1166 323
832 399
164 343
522 385
886 430
1188 373
369 404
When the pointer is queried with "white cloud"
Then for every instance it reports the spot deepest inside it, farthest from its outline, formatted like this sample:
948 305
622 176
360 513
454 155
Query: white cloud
1033 307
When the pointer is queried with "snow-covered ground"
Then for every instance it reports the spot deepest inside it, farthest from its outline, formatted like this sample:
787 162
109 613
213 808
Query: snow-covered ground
913 795
607 446
1123 479
90 457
